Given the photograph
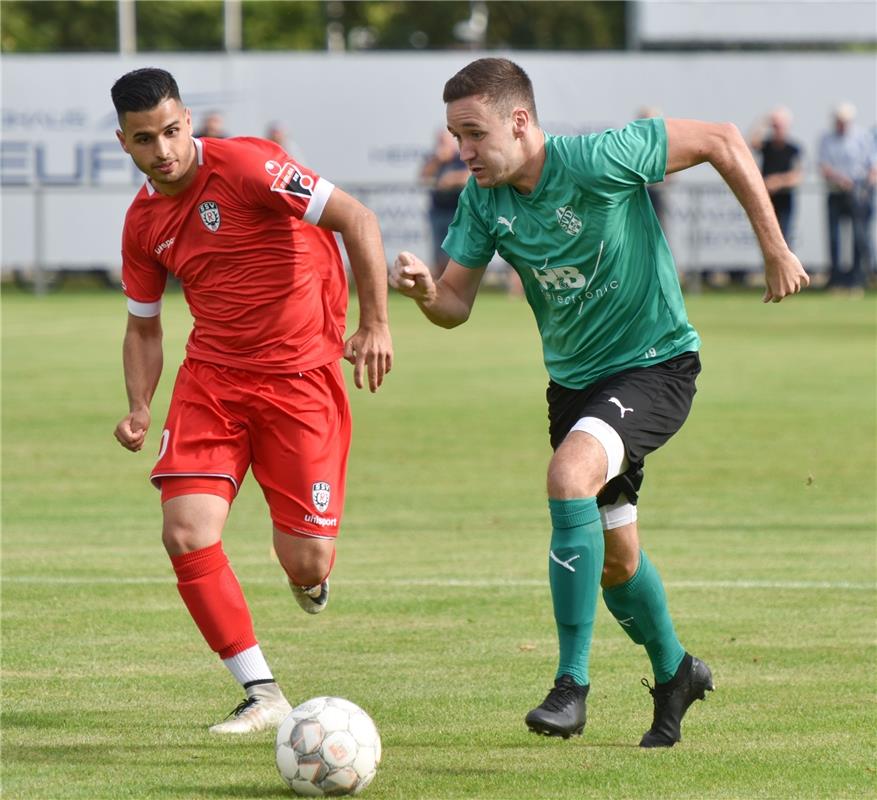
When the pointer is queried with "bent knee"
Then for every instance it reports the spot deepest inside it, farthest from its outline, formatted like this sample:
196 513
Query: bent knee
192 522
307 562
568 478
618 568
307 574
179 539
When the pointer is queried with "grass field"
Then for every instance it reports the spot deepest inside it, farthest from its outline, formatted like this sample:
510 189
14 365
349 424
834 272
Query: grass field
760 515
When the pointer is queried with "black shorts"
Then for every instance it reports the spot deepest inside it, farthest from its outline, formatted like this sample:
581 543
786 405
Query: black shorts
645 405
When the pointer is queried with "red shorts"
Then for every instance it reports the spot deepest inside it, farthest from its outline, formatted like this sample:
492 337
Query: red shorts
294 430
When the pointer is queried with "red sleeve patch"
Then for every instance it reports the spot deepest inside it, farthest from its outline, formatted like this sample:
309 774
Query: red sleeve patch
289 179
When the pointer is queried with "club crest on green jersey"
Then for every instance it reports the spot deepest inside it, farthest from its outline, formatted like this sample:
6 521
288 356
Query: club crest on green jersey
568 221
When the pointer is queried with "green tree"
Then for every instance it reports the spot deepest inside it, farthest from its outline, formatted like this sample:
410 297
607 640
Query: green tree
548 25
407 25
180 26
557 25
58 26
281 25
198 25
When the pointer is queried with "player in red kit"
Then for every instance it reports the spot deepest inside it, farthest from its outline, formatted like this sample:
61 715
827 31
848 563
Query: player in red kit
247 231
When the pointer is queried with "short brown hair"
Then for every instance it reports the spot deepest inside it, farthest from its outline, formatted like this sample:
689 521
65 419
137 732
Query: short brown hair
501 82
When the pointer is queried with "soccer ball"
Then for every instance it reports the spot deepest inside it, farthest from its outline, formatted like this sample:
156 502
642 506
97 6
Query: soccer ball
327 747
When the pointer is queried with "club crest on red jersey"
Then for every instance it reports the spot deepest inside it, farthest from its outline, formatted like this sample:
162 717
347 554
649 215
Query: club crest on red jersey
209 212
290 179
321 493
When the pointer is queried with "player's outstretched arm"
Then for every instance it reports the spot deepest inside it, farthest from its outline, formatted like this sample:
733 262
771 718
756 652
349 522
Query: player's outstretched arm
691 142
446 302
370 348
142 358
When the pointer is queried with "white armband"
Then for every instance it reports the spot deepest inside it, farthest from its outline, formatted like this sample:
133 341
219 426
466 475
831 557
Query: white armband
318 201
144 309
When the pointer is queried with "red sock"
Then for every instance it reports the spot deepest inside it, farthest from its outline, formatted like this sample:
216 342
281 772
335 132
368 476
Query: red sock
211 592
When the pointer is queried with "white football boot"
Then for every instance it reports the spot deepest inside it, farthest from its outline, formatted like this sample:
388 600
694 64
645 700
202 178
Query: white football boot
264 707
312 599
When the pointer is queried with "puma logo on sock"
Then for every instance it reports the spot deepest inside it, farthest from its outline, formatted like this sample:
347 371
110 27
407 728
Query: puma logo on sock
564 564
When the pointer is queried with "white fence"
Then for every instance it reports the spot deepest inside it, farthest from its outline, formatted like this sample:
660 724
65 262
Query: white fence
365 122
43 226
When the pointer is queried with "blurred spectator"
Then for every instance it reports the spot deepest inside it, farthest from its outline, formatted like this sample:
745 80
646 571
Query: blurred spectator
446 175
275 132
848 162
655 190
213 126
780 165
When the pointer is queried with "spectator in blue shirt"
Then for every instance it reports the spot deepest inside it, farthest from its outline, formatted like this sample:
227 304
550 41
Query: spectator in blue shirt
848 163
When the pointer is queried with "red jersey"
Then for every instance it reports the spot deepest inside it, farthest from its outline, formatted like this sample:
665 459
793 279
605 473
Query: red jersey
267 290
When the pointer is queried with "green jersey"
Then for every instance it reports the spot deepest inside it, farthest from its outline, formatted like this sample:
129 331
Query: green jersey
593 260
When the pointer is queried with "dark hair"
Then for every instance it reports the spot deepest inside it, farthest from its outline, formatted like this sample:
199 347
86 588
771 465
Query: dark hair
501 82
143 89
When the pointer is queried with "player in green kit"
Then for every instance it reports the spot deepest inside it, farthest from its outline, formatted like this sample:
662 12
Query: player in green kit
572 216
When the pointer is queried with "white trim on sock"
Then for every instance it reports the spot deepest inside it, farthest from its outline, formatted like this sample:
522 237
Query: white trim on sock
249 665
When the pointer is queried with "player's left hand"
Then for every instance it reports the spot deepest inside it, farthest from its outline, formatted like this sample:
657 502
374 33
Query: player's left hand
370 350
132 428
783 275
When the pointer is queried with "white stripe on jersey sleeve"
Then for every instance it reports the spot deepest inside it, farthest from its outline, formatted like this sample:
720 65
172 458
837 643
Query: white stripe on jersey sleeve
144 309
318 201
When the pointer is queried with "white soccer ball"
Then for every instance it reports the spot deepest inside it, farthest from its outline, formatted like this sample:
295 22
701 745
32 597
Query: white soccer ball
327 747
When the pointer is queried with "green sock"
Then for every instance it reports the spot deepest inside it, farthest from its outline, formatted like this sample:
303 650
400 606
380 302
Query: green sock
640 606
575 564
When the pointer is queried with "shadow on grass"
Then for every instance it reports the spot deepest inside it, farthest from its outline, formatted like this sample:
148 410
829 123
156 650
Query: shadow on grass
225 790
